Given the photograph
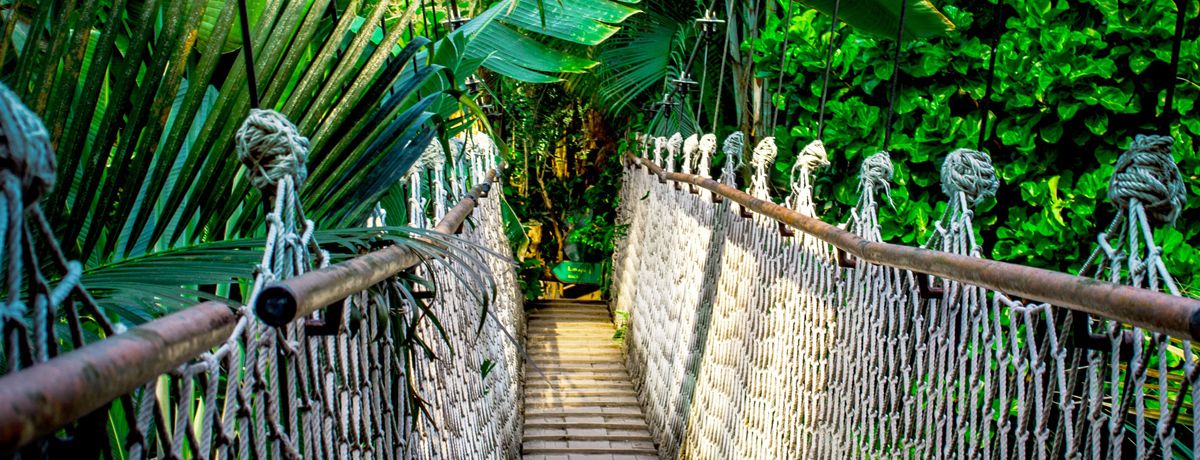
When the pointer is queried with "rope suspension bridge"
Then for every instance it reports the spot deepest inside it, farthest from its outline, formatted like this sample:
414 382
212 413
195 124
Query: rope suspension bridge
753 329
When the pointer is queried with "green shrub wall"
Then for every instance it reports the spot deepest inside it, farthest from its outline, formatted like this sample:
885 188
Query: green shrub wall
1074 82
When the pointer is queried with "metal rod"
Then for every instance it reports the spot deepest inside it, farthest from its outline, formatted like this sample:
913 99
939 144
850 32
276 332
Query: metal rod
1177 316
1168 115
281 303
251 81
38 400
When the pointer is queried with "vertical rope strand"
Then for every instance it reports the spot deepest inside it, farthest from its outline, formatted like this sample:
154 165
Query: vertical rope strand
721 78
887 134
1168 114
828 66
787 35
703 83
986 104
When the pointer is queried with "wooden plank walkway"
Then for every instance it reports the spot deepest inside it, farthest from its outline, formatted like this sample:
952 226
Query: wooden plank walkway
584 406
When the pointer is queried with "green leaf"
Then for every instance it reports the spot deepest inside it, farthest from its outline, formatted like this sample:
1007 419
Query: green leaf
1051 133
212 13
525 57
1097 123
879 17
586 22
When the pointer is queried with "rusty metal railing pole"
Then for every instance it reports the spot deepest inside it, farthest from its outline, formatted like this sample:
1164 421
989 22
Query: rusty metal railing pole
1177 316
39 400
294 298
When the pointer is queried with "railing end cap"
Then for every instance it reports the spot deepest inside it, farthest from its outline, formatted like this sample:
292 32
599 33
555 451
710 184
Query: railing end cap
276 305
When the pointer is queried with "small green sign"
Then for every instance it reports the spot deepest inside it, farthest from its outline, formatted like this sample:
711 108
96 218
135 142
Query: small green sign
579 272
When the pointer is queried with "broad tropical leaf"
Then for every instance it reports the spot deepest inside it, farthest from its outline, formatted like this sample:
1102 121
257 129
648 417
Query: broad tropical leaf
882 17
512 53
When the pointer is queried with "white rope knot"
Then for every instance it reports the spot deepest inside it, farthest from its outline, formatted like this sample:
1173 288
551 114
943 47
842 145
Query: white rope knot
765 153
673 146
25 147
811 157
271 148
690 146
660 143
876 172
707 147
764 157
1147 173
433 155
970 172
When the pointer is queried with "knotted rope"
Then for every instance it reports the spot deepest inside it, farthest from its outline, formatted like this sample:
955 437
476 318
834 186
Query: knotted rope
660 143
763 159
708 146
1147 173
811 157
808 357
673 146
457 158
876 173
416 213
970 172
434 157
733 156
487 153
25 150
27 170
272 148
690 145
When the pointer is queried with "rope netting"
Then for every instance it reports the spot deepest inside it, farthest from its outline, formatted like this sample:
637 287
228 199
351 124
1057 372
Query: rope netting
473 389
748 343
389 374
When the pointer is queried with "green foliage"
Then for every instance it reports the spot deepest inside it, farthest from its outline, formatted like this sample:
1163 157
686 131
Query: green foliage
523 56
143 108
1074 82
635 61
564 175
881 17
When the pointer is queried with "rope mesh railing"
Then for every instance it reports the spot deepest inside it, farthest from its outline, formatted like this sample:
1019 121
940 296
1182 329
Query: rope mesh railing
381 374
746 342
